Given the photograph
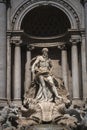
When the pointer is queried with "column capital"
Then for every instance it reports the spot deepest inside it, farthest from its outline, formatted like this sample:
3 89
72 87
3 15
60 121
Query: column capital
30 48
63 46
83 34
74 41
16 42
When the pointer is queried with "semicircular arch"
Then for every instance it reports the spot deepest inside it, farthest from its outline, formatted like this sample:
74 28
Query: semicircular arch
62 5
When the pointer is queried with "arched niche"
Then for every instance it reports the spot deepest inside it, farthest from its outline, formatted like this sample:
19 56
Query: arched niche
28 6
45 21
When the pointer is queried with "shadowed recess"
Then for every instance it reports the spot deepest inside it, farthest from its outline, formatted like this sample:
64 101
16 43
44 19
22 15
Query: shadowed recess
45 21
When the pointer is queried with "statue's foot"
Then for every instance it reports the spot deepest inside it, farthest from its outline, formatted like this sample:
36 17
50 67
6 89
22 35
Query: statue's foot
59 97
45 100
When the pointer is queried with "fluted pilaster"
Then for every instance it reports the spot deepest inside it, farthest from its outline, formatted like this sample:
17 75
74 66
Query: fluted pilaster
3 56
84 69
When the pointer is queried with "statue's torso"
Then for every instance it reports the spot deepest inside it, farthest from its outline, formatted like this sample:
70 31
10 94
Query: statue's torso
43 64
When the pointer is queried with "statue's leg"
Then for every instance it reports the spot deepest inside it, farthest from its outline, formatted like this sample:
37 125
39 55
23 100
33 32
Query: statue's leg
41 78
53 87
39 93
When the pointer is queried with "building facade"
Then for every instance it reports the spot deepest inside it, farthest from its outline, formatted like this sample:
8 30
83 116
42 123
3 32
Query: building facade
26 26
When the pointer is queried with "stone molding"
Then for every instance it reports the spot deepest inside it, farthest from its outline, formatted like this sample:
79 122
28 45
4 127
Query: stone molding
31 2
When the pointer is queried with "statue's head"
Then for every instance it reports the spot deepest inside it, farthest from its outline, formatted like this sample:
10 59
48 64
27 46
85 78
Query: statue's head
45 50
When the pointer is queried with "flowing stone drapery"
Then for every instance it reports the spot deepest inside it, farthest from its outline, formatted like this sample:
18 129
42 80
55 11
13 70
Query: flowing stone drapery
75 70
27 69
64 65
3 50
17 71
84 72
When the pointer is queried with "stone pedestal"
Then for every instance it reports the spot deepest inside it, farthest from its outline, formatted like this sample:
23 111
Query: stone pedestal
47 127
2 50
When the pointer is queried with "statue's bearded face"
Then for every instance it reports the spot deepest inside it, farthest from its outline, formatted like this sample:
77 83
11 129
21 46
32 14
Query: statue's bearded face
45 53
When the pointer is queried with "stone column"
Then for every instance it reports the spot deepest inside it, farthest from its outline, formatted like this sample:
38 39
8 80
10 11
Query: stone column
84 72
75 70
64 65
17 72
8 51
8 68
28 69
3 50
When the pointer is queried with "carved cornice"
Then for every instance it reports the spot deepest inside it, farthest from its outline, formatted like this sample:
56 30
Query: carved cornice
47 44
61 2
15 33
